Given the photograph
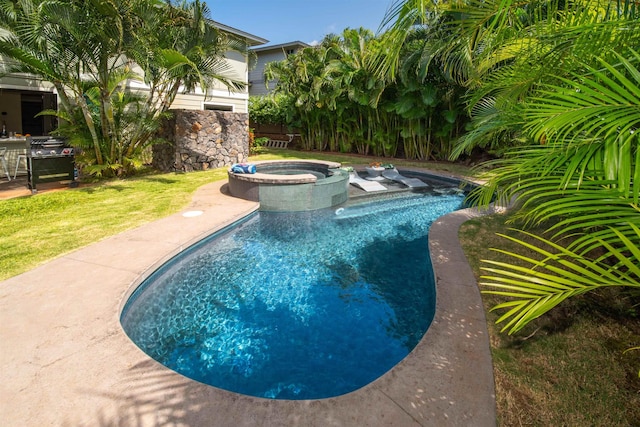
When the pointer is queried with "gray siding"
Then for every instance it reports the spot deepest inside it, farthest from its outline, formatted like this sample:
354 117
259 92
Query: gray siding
257 84
256 76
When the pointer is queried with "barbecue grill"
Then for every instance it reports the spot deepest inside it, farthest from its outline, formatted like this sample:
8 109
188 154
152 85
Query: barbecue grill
49 160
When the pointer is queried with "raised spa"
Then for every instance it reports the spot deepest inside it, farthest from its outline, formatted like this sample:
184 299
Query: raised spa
292 185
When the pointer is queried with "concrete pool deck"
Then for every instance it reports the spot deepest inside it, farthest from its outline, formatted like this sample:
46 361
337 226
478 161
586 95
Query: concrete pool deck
66 361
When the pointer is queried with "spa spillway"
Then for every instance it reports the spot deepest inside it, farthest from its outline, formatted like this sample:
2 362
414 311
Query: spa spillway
292 185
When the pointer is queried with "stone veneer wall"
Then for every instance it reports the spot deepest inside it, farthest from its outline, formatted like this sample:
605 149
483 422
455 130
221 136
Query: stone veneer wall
202 140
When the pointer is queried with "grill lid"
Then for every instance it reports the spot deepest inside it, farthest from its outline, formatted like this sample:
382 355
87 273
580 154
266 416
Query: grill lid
46 146
46 142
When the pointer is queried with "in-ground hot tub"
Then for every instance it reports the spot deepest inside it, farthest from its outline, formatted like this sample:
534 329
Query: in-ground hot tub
292 185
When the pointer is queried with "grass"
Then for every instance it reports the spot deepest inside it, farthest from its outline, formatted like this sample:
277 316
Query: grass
38 228
568 368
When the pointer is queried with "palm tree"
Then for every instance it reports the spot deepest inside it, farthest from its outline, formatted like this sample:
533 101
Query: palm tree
91 50
556 84
298 76
357 90
585 179
428 98
179 47
344 105
37 38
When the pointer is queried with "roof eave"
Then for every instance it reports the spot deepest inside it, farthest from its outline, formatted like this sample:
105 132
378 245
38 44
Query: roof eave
252 40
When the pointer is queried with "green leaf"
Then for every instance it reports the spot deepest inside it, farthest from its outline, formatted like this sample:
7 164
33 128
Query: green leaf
536 288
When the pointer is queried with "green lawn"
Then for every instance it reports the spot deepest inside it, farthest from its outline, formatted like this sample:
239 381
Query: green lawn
41 227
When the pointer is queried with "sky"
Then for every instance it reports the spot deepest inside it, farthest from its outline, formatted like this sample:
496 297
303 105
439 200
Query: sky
282 21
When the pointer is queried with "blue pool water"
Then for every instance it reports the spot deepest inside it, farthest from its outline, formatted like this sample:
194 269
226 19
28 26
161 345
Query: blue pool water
302 305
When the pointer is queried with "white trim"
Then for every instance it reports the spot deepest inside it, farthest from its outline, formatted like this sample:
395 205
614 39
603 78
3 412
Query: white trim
28 88
221 93
39 85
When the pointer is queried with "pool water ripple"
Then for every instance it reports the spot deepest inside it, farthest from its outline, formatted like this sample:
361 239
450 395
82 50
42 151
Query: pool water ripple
300 305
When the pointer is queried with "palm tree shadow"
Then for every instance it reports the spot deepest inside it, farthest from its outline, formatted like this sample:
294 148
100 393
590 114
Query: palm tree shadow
157 396
95 189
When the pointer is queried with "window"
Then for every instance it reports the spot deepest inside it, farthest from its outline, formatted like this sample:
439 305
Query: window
218 107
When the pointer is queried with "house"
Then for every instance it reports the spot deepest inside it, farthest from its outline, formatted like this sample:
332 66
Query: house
24 96
264 55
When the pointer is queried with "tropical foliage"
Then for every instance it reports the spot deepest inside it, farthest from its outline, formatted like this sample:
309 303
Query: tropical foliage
334 95
555 86
95 51
269 109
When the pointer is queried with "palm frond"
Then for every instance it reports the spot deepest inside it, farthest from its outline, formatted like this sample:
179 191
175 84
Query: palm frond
554 275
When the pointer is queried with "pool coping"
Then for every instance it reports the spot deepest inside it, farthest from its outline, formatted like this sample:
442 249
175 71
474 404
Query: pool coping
67 361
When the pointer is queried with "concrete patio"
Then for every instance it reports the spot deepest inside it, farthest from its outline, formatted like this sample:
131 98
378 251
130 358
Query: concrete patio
67 362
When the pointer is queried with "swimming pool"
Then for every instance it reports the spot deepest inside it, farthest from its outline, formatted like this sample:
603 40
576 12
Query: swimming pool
295 305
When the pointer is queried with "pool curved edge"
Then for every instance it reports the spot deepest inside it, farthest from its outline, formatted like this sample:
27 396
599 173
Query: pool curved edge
447 380
458 338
